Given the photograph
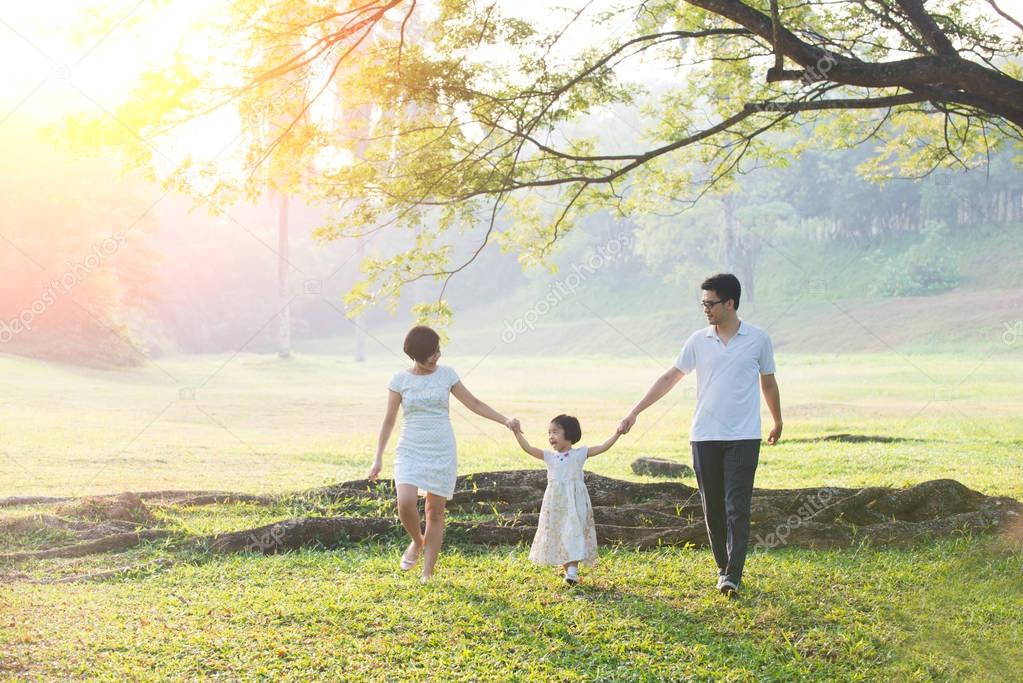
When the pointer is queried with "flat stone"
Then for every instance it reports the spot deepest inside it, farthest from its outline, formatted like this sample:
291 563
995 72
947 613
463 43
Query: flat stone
660 467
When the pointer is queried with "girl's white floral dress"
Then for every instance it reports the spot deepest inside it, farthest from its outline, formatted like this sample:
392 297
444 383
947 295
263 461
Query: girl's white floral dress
565 531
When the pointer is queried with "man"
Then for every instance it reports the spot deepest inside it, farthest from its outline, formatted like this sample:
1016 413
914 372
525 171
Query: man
729 356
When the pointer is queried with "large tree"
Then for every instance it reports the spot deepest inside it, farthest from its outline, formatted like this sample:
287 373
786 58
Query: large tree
455 114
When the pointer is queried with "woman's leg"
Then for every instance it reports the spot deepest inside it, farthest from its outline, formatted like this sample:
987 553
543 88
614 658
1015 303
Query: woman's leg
408 513
434 531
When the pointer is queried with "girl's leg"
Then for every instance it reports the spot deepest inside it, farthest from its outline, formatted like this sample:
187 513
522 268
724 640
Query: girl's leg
572 572
434 532
408 513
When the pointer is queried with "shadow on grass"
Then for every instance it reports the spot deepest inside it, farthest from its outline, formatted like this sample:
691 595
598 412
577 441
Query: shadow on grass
855 438
961 621
637 637
946 610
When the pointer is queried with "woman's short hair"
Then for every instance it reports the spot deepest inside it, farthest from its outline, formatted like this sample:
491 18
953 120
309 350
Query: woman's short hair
570 425
421 342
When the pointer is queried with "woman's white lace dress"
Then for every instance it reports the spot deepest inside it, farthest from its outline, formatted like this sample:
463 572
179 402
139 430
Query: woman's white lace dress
565 531
425 455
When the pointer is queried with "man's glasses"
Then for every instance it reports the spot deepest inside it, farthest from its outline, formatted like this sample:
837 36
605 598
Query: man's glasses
707 305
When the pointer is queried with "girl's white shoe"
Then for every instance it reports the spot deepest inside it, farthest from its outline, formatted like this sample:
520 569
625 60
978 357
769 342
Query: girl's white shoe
572 576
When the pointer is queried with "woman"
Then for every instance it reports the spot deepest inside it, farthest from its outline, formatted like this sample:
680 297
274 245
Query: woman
425 460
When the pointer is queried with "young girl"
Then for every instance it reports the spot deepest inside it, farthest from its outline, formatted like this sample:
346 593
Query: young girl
565 533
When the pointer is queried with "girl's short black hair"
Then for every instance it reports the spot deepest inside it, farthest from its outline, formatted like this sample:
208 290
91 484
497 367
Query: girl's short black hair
421 342
570 425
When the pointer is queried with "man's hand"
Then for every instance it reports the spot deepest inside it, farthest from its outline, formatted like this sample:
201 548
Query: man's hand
775 434
657 391
626 424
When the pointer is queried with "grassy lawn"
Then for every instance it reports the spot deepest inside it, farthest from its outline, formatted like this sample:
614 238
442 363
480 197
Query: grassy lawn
349 615
253 423
945 610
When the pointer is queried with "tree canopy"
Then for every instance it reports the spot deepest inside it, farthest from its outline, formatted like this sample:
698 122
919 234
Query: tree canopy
458 119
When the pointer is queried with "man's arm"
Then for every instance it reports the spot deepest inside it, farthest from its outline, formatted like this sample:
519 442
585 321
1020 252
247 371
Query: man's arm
769 386
658 389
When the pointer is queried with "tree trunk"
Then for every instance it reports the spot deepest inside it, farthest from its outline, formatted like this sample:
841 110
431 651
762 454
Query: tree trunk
360 340
284 323
749 290
728 238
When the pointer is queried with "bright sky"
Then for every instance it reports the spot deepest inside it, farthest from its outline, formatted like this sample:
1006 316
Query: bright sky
38 54
44 75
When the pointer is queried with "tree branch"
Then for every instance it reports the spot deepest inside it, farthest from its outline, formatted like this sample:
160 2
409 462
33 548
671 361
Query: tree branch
850 103
1005 16
927 27
995 92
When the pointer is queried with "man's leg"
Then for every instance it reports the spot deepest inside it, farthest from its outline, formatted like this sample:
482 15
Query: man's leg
739 463
708 466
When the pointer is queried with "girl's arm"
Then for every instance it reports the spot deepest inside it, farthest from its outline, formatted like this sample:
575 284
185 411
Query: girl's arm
477 406
393 401
533 451
597 450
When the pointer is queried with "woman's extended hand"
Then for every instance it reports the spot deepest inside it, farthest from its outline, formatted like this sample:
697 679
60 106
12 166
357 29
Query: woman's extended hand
512 423
374 471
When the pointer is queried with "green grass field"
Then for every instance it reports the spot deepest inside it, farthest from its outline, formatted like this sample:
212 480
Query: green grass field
945 610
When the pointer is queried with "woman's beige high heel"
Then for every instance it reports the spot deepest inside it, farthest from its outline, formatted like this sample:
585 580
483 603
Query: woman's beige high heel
407 564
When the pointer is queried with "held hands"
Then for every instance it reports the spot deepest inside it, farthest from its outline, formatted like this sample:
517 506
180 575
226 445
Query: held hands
512 423
775 434
626 424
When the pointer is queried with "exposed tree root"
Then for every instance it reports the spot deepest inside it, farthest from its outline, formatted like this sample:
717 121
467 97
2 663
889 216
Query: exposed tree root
100 545
648 515
503 509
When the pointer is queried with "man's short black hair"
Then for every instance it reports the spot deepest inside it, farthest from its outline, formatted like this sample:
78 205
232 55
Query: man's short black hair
570 425
421 342
725 285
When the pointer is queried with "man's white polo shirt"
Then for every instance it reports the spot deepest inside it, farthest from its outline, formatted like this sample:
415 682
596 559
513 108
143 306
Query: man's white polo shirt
727 381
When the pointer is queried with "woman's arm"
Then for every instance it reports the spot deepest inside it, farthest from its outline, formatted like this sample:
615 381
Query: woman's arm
480 408
597 450
393 401
532 450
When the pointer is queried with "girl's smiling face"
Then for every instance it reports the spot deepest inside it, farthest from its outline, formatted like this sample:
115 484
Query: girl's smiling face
556 437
